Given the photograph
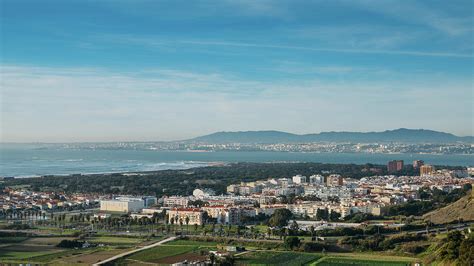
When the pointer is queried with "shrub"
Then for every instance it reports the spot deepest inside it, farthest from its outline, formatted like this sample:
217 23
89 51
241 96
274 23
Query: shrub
70 244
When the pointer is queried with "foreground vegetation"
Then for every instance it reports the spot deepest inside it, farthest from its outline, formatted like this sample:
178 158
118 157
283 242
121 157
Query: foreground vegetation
180 250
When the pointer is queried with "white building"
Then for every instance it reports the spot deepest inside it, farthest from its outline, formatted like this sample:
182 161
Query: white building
317 179
122 205
299 179
175 201
203 193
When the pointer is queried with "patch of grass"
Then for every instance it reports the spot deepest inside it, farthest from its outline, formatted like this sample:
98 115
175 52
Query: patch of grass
277 258
20 255
334 261
53 256
160 252
65 253
49 241
371 256
114 240
12 239
182 242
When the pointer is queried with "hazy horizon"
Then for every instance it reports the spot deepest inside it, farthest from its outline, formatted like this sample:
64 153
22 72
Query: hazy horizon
107 71
222 131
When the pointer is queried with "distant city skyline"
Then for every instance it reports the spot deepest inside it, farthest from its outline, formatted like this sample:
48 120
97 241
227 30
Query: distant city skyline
170 70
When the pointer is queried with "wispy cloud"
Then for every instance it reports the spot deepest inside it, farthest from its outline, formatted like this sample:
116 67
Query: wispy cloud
162 43
424 14
53 104
306 48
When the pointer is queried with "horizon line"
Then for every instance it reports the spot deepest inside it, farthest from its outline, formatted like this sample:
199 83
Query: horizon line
236 131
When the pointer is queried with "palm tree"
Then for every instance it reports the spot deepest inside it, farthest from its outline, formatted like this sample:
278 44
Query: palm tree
187 223
238 231
213 228
311 230
172 223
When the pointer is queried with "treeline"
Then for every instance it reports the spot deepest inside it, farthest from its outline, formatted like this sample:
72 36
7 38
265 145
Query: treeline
378 242
183 182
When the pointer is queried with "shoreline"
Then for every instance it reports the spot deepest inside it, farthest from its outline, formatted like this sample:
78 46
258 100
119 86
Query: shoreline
129 173
27 163
210 164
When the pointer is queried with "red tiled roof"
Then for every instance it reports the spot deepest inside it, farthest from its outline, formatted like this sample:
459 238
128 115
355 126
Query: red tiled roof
186 209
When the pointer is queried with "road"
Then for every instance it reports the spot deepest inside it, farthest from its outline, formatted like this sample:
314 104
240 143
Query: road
121 255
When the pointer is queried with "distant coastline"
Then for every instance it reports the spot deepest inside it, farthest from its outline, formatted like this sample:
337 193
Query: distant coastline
26 162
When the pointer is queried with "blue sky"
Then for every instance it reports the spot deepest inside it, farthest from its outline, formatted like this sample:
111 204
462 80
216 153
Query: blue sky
164 70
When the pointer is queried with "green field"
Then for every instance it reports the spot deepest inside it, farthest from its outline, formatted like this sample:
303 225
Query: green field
300 258
23 252
38 250
12 239
171 252
277 258
182 242
343 261
8 254
154 254
111 240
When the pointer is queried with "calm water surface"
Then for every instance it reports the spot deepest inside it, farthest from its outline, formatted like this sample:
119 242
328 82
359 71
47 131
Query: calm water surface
28 160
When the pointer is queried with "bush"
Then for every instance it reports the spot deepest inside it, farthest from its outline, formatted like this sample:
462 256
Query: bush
413 248
371 243
292 242
70 244
313 247
389 243
18 227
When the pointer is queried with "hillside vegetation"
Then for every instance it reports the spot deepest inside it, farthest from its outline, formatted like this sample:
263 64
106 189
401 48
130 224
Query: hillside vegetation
462 209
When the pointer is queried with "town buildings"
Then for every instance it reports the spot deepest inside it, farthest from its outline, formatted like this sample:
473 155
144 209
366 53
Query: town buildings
299 179
245 201
426 170
394 166
186 216
127 204
334 180
418 163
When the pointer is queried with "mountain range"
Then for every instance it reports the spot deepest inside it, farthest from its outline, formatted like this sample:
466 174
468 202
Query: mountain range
271 136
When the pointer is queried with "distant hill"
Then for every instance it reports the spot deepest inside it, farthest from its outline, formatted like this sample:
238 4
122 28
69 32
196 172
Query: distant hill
461 209
397 135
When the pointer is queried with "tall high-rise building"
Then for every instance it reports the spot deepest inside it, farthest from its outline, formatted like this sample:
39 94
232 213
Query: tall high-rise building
426 170
418 163
334 180
395 166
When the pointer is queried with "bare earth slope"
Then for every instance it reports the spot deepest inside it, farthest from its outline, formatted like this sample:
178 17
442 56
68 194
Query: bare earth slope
461 209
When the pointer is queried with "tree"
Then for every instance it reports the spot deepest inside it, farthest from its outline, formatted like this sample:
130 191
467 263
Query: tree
186 220
312 231
292 242
451 247
322 214
205 218
466 251
334 216
280 218
212 258
294 228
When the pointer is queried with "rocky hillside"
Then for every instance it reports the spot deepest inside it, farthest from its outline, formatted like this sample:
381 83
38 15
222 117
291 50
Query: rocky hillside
461 209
